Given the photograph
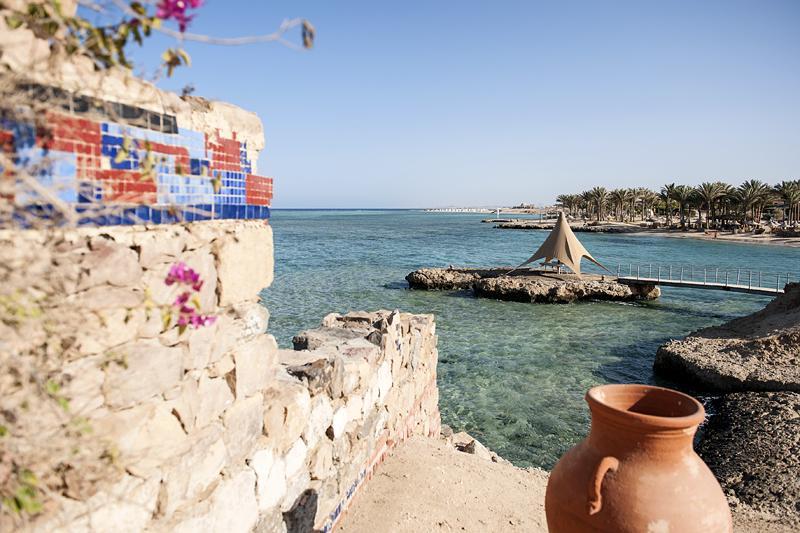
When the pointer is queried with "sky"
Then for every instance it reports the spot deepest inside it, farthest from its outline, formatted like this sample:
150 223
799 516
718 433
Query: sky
430 104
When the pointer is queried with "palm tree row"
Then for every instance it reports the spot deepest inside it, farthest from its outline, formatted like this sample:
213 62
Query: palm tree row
721 203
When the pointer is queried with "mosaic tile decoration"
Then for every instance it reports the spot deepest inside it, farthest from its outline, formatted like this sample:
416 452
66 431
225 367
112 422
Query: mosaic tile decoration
91 161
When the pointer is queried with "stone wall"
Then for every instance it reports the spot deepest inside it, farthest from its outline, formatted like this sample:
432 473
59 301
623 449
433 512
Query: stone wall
207 429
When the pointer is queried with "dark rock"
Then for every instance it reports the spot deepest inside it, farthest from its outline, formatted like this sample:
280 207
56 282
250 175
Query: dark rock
752 444
319 374
578 228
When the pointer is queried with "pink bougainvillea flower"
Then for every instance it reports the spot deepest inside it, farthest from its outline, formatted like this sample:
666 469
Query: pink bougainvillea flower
181 299
180 273
186 307
176 9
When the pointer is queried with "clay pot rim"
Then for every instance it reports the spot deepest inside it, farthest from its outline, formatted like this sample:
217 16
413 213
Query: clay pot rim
598 406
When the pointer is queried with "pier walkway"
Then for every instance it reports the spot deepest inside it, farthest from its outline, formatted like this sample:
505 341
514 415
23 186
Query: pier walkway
689 276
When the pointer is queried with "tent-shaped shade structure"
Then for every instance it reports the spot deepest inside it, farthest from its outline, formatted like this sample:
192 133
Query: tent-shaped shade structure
563 246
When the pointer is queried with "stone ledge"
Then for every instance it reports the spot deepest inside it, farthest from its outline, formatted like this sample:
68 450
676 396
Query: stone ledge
529 286
759 352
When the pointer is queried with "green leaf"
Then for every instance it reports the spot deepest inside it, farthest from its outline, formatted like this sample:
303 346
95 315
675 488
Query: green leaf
185 57
52 387
27 500
121 156
14 21
137 35
57 6
166 319
63 403
3 431
29 478
138 8
12 504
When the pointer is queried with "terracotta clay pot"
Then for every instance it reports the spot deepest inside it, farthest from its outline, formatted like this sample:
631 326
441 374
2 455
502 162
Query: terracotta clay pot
637 470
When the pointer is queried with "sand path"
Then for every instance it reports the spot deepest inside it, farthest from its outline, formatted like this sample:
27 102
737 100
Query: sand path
427 485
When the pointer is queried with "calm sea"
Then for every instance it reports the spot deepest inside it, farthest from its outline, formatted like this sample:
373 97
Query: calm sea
511 374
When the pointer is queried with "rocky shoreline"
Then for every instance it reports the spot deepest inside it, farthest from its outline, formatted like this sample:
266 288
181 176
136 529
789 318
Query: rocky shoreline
751 366
529 286
577 228
758 352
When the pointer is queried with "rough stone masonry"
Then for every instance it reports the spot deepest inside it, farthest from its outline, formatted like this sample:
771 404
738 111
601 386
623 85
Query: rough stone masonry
212 429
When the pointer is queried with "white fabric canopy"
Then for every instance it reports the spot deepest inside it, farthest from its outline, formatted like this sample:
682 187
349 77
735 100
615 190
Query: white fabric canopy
564 246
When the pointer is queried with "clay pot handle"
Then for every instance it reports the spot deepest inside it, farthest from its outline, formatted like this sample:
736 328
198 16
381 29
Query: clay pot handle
595 484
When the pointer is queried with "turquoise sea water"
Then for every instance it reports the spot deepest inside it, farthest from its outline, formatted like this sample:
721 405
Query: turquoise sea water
511 374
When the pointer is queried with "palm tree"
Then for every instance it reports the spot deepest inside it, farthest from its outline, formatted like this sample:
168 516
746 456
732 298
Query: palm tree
565 201
667 194
753 195
789 191
683 195
599 197
616 198
648 198
586 201
708 193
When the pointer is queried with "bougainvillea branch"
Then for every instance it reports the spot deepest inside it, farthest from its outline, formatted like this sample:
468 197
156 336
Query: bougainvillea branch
105 44
186 305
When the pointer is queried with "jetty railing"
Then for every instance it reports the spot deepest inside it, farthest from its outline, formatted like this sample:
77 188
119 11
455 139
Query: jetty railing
711 277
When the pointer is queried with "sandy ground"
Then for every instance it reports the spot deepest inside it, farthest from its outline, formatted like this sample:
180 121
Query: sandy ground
428 486
749 238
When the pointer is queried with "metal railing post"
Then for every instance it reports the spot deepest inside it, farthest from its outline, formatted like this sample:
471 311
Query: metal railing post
618 269
777 282
670 272
637 271
659 273
759 278
681 272
738 273
705 276
716 275
749 279
726 278
650 271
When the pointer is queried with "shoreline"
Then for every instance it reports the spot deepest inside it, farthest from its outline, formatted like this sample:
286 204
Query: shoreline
741 238
634 229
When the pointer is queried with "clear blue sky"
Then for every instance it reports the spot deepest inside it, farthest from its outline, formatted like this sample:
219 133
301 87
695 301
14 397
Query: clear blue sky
412 104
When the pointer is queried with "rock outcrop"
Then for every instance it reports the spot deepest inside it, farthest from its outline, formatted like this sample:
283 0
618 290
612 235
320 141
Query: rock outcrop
557 289
448 279
759 352
529 286
751 439
585 228
751 444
